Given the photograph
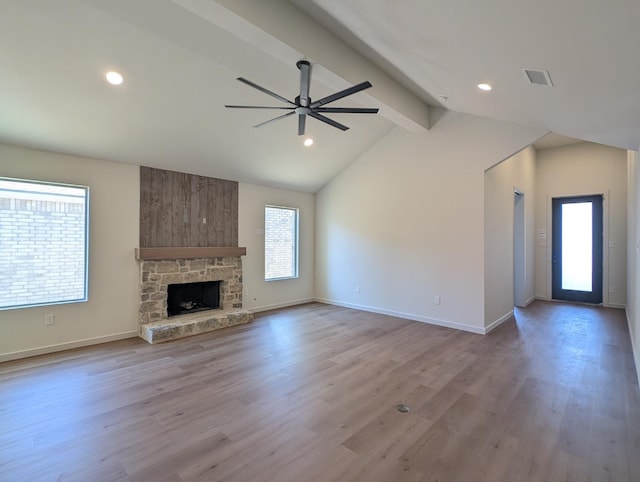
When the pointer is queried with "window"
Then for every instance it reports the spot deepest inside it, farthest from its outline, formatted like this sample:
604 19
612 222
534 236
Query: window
43 243
280 243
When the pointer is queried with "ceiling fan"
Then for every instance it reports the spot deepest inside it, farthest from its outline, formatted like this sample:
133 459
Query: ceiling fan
304 106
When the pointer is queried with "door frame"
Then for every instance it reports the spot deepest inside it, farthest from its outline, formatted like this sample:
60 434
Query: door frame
605 240
595 296
519 248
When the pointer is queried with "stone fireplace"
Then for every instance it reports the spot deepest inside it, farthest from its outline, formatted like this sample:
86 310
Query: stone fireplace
155 277
188 234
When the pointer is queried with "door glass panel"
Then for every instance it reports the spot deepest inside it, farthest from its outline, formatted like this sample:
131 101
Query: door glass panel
577 249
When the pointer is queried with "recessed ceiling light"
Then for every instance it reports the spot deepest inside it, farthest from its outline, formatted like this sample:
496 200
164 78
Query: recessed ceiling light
114 78
485 87
308 142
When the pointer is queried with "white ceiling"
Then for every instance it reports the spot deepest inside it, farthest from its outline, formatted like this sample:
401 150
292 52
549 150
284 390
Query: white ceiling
444 47
552 140
180 59
179 72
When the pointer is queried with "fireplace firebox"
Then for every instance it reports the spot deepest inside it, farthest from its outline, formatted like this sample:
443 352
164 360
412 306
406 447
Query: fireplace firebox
192 297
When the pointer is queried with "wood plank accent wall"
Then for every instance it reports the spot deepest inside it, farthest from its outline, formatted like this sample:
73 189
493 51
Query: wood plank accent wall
173 206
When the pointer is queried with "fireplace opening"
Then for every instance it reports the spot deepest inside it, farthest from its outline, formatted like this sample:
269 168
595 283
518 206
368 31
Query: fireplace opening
192 297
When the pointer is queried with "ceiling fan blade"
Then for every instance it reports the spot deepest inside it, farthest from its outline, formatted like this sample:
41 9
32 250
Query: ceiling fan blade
341 94
266 91
302 119
347 110
275 119
326 120
305 82
256 107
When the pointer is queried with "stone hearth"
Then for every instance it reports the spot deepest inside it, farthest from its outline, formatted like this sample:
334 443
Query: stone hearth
156 275
187 325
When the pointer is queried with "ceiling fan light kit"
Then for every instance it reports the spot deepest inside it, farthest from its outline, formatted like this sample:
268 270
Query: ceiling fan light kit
304 106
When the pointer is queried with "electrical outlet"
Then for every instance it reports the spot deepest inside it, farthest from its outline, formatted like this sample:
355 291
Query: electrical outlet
357 289
49 319
436 300
612 289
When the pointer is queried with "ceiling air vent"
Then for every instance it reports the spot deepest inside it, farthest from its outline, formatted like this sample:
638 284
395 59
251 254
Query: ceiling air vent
538 77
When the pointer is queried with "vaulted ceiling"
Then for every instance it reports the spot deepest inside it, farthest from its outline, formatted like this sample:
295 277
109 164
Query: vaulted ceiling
180 59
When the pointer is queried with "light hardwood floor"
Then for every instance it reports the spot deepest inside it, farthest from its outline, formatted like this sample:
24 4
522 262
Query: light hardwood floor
309 393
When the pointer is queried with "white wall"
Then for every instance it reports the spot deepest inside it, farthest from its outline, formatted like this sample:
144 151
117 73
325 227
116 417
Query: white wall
260 294
112 309
578 169
405 222
517 172
633 258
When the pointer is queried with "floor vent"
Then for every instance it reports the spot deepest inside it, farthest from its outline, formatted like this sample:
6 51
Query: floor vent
538 77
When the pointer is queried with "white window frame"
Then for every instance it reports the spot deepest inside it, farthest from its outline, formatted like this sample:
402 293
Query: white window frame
296 247
85 281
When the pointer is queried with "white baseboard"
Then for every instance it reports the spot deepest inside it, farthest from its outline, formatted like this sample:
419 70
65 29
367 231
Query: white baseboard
15 355
495 324
275 306
615 305
634 348
408 316
527 302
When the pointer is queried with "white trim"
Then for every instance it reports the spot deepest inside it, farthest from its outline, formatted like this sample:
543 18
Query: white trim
617 306
15 355
528 302
407 316
275 306
492 326
635 350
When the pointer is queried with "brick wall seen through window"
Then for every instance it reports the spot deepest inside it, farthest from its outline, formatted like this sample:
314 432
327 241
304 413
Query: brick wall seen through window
280 243
43 243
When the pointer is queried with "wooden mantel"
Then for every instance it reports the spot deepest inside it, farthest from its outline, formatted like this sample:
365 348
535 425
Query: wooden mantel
189 253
